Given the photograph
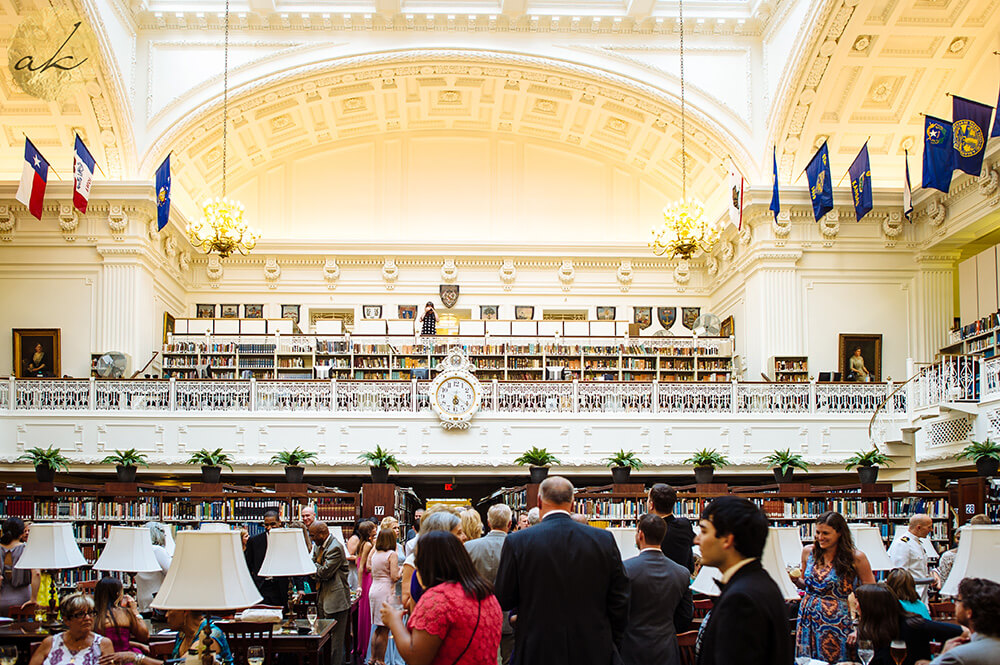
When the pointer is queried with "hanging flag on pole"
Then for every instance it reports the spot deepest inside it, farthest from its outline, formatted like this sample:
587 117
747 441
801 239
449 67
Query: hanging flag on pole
34 175
969 121
861 183
996 120
907 189
737 185
938 154
163 194
83 174
775 206
820 182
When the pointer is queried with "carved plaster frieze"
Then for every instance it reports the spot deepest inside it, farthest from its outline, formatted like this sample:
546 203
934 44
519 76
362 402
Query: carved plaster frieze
829 226
892 227
624 275
746 235
682 273
331 273
449 271
214 270
727 251
153 230
782 224
7 223
508 273
390 273
936 211
712 264
567 273
989 181
184 260
69 221
169 244
117 221
272 272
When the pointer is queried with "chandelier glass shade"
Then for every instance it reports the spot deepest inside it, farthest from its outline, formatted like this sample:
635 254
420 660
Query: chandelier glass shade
222 229
684 231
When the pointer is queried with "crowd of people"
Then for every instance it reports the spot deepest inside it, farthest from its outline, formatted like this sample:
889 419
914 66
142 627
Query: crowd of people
545 587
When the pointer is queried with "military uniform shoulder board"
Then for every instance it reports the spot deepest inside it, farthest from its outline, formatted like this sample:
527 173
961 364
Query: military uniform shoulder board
905 539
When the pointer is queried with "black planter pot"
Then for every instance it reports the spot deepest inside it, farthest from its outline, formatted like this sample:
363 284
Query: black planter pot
538 473
987 466
704 474
294 474
125 474
45 474
621 474
380 474
782 478
868 475
211 475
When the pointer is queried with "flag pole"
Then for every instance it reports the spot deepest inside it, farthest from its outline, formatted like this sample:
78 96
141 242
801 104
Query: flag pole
846 173
50 165
96 163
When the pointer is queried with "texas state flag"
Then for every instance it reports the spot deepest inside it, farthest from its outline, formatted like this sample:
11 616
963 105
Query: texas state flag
83 175
31 191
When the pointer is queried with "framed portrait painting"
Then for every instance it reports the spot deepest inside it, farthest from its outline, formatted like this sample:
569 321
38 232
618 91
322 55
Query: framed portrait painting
290 312
230 311
605 313
407 311
524 312
371 311
37 352
489 312
204 311
728 327
860 357
253 311
169 322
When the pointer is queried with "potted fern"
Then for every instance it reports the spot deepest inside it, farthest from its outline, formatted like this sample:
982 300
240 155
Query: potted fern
211 462
986 455
705 463
126 464
867 463
621 464
379 462
293 460
46 462
784 463
539 460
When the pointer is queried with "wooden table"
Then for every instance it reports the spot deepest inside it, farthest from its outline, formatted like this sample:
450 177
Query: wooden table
22 636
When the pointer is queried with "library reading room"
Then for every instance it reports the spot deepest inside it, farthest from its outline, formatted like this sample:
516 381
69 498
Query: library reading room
676 321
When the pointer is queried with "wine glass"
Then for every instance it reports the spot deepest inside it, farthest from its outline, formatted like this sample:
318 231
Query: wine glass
866 651
897 649
255 655
8 655
312 614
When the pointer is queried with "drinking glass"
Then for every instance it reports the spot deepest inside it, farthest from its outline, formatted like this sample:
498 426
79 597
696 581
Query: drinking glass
897 649
866 651
312 614
8 655
255 655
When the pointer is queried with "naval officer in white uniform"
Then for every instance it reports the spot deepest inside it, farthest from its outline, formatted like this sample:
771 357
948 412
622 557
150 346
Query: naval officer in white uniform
908 552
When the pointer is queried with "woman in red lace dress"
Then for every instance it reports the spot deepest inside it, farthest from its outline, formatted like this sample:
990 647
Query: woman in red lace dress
457 619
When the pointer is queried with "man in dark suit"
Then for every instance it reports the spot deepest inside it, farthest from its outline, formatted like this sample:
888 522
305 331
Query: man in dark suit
273 589
568 585
333 594
485 555
680 534
660 603
748 624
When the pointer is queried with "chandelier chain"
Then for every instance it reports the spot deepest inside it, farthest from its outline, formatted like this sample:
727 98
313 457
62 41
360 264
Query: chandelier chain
684 164
225 101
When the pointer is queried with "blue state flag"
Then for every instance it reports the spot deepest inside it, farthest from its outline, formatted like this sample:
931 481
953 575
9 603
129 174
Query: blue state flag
969 122
861 183
938 154
163 194
775 206
820 182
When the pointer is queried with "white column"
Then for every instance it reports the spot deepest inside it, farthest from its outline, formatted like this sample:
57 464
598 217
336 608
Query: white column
934 309
774 305
126 310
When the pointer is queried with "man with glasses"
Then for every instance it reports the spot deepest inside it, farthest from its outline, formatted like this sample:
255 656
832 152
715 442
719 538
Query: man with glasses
977 607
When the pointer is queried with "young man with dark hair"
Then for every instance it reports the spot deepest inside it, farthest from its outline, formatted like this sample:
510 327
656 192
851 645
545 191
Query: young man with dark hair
680 536
273 589
660 600
977 607
748 624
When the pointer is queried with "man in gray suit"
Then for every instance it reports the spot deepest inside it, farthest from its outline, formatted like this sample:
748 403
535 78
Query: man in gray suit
660 602
977 607
485 554
333 595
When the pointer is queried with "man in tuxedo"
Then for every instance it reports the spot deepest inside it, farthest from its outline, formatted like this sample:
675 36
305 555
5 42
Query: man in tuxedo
568 584
660 603
333 595
680 534
748 624
485 554
273 589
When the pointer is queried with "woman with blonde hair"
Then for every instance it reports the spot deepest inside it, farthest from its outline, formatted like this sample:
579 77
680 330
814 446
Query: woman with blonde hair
384 566
472 525
79 638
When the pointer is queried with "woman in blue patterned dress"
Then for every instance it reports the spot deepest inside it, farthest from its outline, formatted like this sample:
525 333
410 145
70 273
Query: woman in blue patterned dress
832 570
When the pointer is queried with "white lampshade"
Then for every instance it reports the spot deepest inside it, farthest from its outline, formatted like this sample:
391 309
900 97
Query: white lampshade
128 549
868 539
625 539
52 546
286 554
208 572
772 562
978 556
789 543
215 527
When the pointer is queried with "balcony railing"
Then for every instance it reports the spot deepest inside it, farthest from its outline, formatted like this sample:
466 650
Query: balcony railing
525 397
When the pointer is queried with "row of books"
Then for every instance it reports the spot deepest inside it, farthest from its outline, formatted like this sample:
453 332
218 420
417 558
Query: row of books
982 325
256 349
330 346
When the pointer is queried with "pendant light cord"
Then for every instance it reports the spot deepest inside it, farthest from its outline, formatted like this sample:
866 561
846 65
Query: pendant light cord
684 163
225 101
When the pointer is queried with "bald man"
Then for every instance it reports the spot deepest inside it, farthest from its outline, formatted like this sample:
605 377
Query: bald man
566 584
308 515
333 595
909 553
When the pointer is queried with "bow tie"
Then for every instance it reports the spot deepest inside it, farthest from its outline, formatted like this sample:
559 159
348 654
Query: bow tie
722 585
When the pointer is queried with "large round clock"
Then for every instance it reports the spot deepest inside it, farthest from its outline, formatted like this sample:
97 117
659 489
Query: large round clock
455 394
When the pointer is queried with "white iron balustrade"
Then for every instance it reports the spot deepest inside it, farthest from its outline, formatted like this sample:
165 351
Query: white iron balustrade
991 379
534 397
293 396
52 394
378 396
124 395
690 397
611 397
212 395
773 398
851 397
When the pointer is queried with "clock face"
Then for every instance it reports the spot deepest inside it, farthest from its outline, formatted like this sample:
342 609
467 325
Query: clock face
456 395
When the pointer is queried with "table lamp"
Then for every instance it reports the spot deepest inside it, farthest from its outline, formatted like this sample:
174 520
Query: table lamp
978 556
868 539
128 549
286 556
789 543
52 547
771 560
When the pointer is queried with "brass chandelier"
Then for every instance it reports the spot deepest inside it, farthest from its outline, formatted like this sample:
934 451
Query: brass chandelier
684 230
222 229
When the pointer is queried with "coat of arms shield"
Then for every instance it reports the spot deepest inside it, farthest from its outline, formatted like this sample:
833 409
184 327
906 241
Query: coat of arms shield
449 294
667 316
689 315
643 316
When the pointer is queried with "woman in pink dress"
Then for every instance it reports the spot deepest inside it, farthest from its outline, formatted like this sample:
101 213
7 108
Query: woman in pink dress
366 532
384 566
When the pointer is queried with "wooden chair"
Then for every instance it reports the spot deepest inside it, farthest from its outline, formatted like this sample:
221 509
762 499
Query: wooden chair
161 650
243 634
702 608
686 643
25 613
945 611
87 586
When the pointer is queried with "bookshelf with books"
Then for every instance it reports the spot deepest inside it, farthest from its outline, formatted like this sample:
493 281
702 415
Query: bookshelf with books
789 369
